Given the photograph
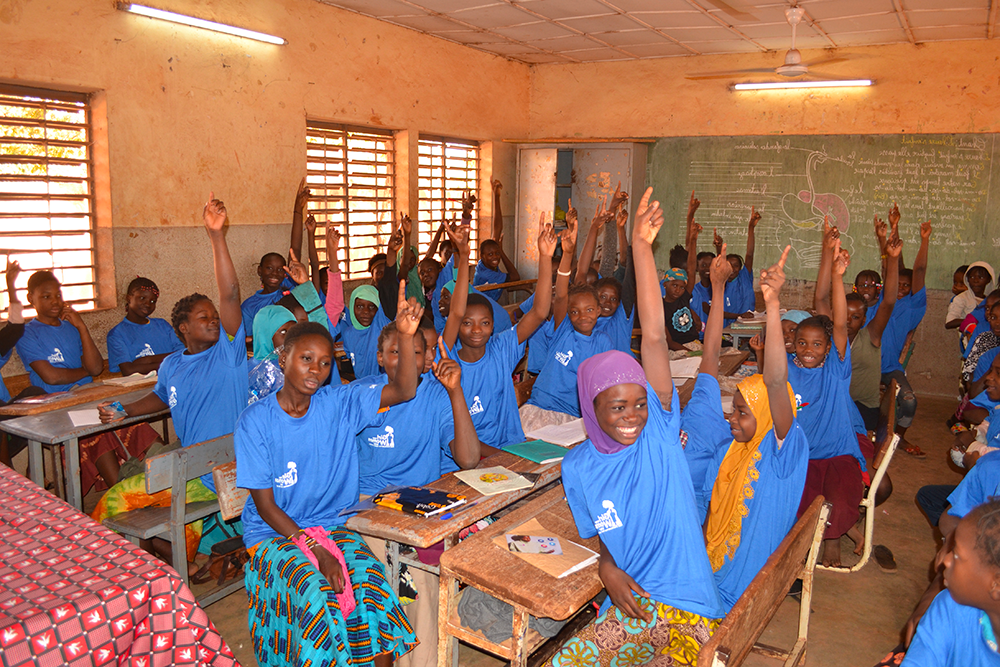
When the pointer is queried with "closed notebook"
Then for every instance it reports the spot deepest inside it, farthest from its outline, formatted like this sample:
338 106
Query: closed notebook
491 481
574 557
538 451
419 501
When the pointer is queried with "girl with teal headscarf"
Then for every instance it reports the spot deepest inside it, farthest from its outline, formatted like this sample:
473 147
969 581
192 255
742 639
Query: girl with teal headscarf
360 330
269 327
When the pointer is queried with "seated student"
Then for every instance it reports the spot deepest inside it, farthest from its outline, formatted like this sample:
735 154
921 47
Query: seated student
488 355
491 254
428 270
821 378
360 329
412 444
205 387
683 326
759 457
976 322
270 327
13 328
958 281
296 453
501 319
59 354
986 341
868 285
629 485
139 343
961 625
273 286
449 270
979 277
790 321
678 259
740 299
575 312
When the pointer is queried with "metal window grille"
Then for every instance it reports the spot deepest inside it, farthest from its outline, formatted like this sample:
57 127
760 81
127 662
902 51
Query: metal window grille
351 179
446 168
47 190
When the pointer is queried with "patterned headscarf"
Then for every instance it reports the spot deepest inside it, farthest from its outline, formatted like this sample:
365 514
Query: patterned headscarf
676 274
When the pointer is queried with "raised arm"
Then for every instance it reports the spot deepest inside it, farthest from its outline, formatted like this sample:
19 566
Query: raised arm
655 353
920 263
404 386
542 302
881 232
751 241
821 297
717 241
406 226
720 271
561 303
776 370
435 242
621 222
460 298
298 215
465 448
839 300
313 251
215 216
893 250
14 328
335 287
691 237
601 216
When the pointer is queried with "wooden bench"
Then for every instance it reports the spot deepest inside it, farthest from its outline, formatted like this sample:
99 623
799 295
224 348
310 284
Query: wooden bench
172 471
795 558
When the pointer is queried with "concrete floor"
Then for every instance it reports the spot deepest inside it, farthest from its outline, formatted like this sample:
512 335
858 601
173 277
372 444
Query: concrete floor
856 618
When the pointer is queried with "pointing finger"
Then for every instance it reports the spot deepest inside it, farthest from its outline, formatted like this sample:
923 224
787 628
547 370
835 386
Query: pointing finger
784 256
442 349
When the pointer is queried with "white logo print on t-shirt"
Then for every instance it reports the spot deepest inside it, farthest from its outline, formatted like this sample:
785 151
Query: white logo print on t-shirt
145 352
384 440
56 357
564 357
289 478
607 520
172 400
476 407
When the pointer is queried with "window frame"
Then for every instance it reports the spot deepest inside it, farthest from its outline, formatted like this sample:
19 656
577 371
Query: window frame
451 207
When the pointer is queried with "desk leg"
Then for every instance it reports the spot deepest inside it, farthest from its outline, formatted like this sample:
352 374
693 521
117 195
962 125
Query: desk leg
447 645
35 463
74 494
449 542
519 658
394 566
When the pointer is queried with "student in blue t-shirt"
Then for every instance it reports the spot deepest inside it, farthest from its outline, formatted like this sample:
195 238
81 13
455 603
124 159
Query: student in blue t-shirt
575 312
739 297
488 355
961 626
629 485
297 455
753 483
13 328
360 329
274 284
205 385
139 343
491 254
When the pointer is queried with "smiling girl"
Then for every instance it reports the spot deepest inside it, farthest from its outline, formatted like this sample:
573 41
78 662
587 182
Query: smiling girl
629 484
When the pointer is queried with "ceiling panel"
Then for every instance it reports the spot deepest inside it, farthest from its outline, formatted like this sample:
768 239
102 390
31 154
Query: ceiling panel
516 29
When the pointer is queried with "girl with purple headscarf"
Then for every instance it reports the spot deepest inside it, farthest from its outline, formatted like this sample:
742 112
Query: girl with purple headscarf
630 485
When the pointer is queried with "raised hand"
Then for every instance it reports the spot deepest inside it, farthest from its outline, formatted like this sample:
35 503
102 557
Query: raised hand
649 221
894 215
773 279
214 214
572 214
408 313
296 270
601 215
406 224
717 240
925 230
395 242
468 203
880 230
568 236
831 237
841 260
547 238
757 345
693 205
894 248
302 196
720 269
311 224
13 271
496 185
460 239
447 370
619 197
621 217
755 218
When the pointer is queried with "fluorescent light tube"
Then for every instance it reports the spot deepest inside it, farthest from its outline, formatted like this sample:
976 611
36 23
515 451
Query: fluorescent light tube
784 85
199 23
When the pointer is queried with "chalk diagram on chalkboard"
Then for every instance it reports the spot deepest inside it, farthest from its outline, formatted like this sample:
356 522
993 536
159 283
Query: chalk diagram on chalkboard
810 217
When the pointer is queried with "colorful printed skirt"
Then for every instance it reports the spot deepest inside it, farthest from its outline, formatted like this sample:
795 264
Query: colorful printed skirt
673 637
130 441
295 618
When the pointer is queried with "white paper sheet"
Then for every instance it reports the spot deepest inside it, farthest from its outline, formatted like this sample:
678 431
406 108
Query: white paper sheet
685 368
564 435
88 417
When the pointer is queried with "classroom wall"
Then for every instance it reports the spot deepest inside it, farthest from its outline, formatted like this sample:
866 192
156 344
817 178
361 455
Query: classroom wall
190 112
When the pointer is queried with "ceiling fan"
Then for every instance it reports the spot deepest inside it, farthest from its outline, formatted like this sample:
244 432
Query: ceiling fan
793 65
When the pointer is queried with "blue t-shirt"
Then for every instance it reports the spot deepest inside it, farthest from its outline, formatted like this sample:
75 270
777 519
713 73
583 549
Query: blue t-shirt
700 295
981 325
4 393
253 303
555 388
447 274
207 391
403 445
983 481
641 503
487 276
951 635
618 327
984 364
983 401
538 346
778 478
128 341
739 294
906 315
489 391
361 345
60 345
707 430
310 462
825 409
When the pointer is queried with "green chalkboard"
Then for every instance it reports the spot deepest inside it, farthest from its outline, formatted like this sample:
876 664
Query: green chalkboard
794 180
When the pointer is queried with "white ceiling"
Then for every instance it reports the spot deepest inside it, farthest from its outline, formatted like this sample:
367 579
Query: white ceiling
561 31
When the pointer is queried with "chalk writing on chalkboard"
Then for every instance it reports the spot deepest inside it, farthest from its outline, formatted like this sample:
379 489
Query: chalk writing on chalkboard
795 181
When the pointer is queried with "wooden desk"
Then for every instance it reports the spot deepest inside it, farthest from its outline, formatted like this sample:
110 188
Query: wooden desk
744 332
95 391
516 284
397 528
480 563
56 428
728 365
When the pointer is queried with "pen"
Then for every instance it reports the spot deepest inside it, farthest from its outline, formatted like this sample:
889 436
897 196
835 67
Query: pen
449 515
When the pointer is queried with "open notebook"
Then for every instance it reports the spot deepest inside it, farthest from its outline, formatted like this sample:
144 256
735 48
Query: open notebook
563 435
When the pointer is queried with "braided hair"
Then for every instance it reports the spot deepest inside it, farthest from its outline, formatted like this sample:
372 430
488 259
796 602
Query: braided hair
182 309
821 322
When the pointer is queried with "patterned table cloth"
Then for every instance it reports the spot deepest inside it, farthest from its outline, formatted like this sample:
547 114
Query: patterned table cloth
74 593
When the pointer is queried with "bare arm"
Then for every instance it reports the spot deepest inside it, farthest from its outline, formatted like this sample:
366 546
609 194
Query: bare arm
721 269
301 200
839 300
313 252
465 448
920 263
751 241
146 405
590 243
655 352
142 365
93 362
776 371
693 229
821 297
435 242
52 375
890 291
460 299
215 218
539 312
561 303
